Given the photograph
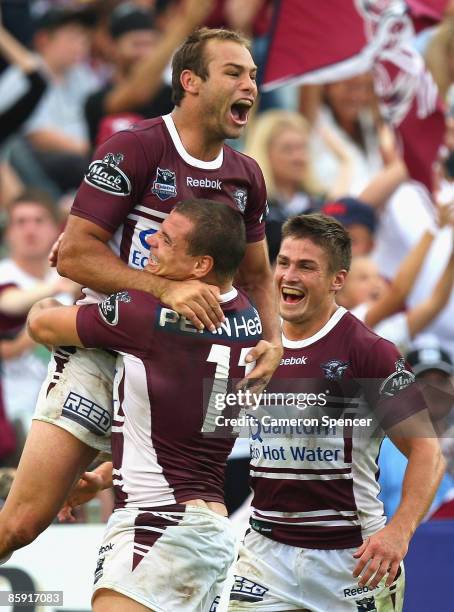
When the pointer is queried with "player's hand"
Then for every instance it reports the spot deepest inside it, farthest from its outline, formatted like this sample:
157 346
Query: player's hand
85 489
197 301
267 357
379 555
53 254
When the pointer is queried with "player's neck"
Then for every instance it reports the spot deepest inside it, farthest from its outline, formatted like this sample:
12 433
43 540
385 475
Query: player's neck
195 141
302 330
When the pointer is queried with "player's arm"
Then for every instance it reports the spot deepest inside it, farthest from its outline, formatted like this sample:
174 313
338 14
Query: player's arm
52 324
256 278
382 553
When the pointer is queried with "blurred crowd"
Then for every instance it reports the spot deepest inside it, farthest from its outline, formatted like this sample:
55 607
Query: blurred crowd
74 72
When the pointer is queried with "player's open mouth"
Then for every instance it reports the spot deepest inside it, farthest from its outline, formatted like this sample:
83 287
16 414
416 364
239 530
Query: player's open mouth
240 111
291 295
153 258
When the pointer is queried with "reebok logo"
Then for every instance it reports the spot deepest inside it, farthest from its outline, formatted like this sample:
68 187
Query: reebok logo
294 361
204 182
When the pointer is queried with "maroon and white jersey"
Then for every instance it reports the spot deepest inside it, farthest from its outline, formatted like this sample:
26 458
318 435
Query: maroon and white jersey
167 376
139 174
314 480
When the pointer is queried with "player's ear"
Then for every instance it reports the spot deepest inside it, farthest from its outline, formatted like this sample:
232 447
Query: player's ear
338 280
190 81
203 265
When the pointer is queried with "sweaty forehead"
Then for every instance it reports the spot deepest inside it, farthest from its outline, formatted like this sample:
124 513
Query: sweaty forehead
223 52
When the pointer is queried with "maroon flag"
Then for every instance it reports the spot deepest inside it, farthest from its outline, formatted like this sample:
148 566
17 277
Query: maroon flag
321 42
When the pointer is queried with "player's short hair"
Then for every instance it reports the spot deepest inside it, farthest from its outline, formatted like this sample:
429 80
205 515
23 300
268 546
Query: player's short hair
219 231
35 196
326 232
191 56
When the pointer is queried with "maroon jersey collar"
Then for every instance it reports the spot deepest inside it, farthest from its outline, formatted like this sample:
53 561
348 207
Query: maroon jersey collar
215 164
333 321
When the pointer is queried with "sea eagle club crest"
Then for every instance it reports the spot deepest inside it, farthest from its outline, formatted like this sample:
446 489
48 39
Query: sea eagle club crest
240 197
334 369
164 185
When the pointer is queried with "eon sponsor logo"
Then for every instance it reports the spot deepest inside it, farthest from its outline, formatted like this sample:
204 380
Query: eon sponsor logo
204 182
294 361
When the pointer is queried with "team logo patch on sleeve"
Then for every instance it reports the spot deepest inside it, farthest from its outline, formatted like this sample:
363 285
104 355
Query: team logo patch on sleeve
334 369
240 197
104 174
108 309
165 184
397 381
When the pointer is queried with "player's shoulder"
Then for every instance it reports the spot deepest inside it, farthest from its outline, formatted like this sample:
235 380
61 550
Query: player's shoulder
241 159
143 131
128 306
367 348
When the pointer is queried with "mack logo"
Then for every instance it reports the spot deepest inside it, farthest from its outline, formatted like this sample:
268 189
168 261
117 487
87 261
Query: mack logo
165 184
294 361
105 175
204 182
398 380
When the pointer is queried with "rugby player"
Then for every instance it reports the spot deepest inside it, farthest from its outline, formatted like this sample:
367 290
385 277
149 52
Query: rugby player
168 544
318 539
134 181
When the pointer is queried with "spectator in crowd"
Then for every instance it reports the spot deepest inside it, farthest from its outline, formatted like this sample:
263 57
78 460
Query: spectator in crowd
141 55
358 218
434 369
56 130
279 141
25 277
346 109
378 304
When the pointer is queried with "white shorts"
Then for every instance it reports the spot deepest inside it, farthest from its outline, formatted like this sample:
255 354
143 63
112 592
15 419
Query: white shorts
77 394
173 558
272 577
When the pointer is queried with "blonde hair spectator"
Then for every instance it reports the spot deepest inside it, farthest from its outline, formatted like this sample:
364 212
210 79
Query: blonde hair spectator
263 134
